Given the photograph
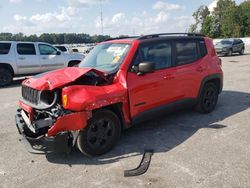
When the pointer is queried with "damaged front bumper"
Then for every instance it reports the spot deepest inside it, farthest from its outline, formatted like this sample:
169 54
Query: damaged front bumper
60 136
60 143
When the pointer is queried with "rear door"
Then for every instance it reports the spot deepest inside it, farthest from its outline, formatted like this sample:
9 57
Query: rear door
154 89
27 58
50 57
191 66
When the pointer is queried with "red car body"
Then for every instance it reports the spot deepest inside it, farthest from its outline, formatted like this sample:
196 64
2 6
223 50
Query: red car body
129 94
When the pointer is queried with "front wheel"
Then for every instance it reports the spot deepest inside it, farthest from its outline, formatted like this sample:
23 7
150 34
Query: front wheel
208 98
229 53
100 135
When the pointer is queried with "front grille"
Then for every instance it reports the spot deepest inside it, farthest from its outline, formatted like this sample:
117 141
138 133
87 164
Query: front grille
30 94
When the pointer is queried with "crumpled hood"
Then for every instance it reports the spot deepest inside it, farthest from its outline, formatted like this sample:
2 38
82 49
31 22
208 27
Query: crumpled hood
58 78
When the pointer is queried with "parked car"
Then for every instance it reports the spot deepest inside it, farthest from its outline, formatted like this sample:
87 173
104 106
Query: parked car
120 83
229 46
27 58
62 48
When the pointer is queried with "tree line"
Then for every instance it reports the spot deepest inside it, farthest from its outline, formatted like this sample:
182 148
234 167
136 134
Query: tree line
55 38
227 20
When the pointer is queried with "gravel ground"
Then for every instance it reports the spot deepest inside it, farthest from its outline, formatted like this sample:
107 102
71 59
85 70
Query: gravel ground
191 150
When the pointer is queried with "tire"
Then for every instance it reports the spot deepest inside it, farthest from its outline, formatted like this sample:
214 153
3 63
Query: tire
6 77
242 51
100 135
208 98
229 53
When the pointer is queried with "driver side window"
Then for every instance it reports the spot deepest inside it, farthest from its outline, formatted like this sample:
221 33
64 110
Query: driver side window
47 50
158 53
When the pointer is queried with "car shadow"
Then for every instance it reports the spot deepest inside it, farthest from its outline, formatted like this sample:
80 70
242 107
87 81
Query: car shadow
163 133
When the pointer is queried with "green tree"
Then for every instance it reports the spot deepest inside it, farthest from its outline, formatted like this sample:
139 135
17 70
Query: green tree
220 12
207 25
199 16
46 37
230 23
244 9
6 36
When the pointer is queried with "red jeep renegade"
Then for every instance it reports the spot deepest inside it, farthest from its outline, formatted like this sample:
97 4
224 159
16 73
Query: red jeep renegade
121 82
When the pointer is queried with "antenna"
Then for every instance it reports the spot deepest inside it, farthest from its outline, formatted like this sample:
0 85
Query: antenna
101 17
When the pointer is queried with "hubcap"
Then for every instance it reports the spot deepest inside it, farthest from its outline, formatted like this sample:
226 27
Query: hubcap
209 98
100 133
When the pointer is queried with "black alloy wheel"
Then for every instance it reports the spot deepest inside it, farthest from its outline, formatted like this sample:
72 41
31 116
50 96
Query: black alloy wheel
208 99
101 134
242 51
230 52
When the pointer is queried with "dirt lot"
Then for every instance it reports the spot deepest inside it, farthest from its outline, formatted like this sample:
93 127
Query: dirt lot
191 150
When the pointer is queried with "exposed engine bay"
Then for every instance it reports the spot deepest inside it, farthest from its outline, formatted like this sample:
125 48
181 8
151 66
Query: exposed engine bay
47 105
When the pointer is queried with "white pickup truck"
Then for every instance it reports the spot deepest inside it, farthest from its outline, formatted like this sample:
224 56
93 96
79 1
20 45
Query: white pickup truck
27 58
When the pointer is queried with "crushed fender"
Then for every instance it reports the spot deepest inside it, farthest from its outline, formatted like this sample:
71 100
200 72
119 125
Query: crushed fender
143 167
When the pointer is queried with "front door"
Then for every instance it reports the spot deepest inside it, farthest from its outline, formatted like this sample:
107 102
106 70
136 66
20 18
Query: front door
50 58
154 89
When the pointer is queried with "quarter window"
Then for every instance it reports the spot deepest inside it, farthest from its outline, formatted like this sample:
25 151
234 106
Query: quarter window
158 53
4 48
26 49
47 50
203 48
186 52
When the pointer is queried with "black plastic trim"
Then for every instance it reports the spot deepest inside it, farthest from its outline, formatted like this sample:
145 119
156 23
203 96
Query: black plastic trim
143 166
61 143
212 77
163 109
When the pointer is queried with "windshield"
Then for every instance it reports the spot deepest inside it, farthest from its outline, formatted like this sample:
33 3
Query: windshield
106 57
223 42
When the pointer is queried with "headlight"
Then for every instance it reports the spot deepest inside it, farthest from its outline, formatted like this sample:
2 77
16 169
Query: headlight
224 49
48 98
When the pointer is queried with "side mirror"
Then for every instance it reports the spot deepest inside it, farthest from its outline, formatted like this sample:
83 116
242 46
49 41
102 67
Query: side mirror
146 67
58 53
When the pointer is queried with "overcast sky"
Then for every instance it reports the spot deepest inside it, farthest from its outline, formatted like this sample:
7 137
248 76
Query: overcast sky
132 17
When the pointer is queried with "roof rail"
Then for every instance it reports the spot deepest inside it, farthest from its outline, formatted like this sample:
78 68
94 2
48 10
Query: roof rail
125 37
170 34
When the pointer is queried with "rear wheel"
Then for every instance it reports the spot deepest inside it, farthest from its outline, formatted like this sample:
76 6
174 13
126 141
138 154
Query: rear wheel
101 134
208 98
242 51
5 77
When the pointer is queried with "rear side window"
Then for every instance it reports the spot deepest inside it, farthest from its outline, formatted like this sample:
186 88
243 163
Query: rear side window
186 52
158 53
26 49
4 48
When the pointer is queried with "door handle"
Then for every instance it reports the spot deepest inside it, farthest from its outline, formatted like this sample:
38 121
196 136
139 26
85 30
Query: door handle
21 58
169 77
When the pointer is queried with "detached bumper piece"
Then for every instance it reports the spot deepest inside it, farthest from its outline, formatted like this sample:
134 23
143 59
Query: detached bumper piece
142 168
61 143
